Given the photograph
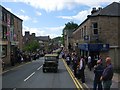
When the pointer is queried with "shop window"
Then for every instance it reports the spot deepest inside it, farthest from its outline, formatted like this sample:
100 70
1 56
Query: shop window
4 50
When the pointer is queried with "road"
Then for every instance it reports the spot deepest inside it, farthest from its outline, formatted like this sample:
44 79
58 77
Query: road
30 75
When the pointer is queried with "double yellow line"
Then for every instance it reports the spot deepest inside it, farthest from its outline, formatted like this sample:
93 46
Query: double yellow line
77 84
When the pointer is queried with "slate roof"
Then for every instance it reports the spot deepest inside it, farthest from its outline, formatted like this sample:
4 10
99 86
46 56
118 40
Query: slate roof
43 38
1 7
111 10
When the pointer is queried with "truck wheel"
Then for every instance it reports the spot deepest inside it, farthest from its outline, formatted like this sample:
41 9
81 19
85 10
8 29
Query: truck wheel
55 71
43 70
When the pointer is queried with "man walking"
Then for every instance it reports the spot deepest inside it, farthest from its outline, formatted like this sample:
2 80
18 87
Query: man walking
107 75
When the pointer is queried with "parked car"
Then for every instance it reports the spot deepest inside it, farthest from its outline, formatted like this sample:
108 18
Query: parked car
50 63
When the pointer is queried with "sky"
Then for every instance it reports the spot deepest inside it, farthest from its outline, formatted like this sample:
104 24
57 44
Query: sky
48 17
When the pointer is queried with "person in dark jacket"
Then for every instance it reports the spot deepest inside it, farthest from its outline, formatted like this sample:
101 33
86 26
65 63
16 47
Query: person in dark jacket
68 59
12 59
98 70
107 75
75 63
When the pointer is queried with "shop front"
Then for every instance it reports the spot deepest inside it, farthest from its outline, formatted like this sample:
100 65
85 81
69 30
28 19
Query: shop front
93 50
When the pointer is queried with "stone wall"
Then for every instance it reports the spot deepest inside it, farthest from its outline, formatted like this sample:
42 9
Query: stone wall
108 32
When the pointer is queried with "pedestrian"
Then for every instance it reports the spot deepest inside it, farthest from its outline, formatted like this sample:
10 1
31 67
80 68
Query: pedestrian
86 60
19 58
81 74
89 63
12 59
100 58
68 59
75 63
107 74
98 70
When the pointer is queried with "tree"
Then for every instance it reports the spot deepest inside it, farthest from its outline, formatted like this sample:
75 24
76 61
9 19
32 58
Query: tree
31 46
70 26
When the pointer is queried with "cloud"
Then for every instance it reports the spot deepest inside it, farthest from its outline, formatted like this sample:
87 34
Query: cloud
53 5
37 31
34 21
24 17
54 29
45 31
65 17
38 13
22 11
9 9
82 15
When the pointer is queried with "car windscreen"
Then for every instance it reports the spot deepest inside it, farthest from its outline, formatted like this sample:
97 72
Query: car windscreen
50 58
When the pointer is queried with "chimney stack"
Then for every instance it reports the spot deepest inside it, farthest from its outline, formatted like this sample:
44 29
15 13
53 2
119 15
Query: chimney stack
33 34
27 33
100 8
93 10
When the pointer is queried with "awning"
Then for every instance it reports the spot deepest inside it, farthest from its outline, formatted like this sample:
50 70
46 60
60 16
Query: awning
14 43
94 47
3 42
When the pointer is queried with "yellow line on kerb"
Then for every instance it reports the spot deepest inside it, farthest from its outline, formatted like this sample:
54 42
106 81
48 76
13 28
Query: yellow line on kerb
70 74
77 84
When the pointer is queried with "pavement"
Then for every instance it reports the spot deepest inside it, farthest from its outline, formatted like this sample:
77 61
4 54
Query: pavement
89 77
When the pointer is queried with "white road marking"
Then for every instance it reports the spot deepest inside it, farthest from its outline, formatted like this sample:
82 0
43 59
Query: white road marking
14 89
14 67
86 86
29 76
39 67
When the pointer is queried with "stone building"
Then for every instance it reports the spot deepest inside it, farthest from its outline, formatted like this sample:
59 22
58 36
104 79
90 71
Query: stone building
44 43
10 34
68 38
99 34
43 40
27 38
